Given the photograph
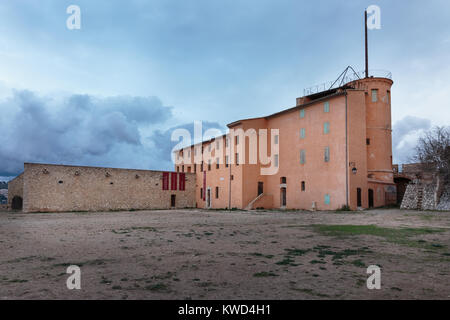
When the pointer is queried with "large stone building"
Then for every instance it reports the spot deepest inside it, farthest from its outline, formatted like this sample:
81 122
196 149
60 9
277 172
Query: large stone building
53 188
332 149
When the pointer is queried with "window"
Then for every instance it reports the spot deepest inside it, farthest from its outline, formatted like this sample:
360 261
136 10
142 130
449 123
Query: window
217 192
178 168
237 140
201 193
303 186
237 158
209 165
368 141
326 107
283 180
326 128
275 139
327 154
182 168
302 157
201 166
302 113
302 133
217 163
226 161
374 95
388 96
276 161
327 199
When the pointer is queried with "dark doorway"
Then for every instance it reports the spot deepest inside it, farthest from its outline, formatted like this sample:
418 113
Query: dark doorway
370 198
358 197
260 188
17 203
208 198
401 183
283 197
173 200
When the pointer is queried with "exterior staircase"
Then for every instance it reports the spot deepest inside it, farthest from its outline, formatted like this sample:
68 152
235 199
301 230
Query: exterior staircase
250 205
419 196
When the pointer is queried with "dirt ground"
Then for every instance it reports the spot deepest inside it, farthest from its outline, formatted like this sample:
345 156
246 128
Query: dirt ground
199 254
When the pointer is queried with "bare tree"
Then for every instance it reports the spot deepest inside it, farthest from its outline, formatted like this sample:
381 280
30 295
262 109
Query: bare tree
433 151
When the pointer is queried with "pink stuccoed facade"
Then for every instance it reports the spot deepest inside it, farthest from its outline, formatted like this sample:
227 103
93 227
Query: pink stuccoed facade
332 149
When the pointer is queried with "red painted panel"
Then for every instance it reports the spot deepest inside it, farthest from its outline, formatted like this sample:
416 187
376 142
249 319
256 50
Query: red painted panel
182 181
173 181
165 184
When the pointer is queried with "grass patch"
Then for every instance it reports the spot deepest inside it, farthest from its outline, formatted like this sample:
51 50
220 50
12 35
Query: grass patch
264 274
157 287
257 254
96 262
358 263
286 261
18 281
401 236
296 252
311 292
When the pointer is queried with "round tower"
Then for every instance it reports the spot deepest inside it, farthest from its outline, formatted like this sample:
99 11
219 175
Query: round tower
378 128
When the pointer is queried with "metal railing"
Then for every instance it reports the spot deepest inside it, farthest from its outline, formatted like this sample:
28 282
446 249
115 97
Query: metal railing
346 77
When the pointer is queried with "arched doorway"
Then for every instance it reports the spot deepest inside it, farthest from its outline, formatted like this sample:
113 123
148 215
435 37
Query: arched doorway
17 203
401 184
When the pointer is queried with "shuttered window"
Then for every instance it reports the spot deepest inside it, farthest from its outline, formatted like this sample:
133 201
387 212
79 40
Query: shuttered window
173 181
165 184
302 157
182 182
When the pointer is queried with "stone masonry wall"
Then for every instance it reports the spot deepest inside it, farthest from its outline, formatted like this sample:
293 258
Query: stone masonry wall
15 188
444 203
53 188
429 195
410 198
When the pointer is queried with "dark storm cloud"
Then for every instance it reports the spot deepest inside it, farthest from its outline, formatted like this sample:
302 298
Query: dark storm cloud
162 140
404 137
78 129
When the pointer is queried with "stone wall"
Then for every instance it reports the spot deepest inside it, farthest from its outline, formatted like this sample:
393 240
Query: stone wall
428 201
430 195
55 188
410 198
15 188
444 202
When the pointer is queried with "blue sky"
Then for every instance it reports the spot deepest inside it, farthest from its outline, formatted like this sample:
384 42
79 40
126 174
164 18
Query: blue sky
62 92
